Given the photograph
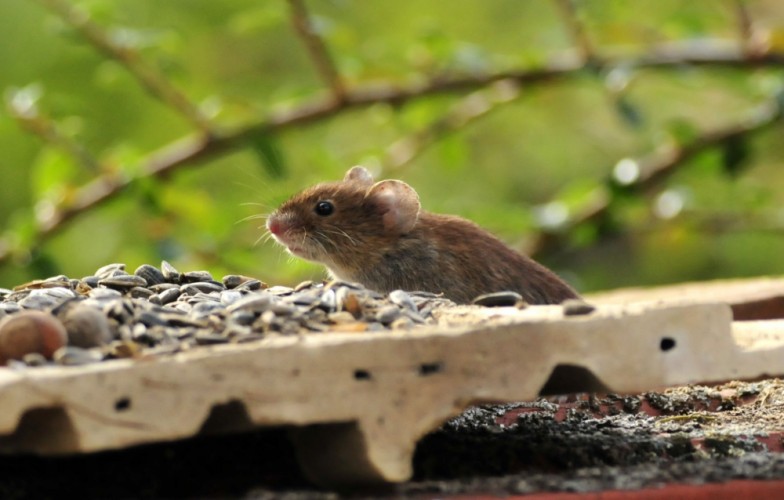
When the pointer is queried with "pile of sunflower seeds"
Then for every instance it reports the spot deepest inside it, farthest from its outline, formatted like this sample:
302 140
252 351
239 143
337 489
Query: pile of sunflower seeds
116 314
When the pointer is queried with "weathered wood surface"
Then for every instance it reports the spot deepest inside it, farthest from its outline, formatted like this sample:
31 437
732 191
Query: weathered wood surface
358 403
750 298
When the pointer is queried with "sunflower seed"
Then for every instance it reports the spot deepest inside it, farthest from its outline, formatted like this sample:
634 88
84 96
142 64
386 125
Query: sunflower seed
75 356
171 274
123 282
402 323
253 303
169 295
577 307
243 318
141 293
151 274
251 337
196 276
209 338
228 297
303 286
252 285
388 314
341 317
91 281
155 312
35 359
498 299
402 299
57 293
234 280
109 270
104 293
162 287
203 309
202 286
38 302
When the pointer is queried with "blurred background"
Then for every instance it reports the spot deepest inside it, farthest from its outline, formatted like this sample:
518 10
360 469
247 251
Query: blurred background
619 142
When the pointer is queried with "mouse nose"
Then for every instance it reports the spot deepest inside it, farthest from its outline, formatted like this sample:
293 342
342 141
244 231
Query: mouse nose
278 225
274 226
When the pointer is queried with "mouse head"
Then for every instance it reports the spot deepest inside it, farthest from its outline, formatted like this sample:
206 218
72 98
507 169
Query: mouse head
348 222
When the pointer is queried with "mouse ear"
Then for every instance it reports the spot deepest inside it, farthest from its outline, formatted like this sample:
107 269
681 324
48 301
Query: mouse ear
360 175
399 204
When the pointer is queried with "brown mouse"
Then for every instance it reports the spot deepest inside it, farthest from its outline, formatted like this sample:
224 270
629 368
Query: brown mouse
378 235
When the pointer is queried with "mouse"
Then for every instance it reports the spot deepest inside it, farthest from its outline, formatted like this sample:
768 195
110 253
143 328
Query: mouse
378 235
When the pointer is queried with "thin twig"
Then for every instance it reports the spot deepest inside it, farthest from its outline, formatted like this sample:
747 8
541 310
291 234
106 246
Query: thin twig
469 109
317 49
576 29
654 169
718 224
200 148
745 28
44 127
155 83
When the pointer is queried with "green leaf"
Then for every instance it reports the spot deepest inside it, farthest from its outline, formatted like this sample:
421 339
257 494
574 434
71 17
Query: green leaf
148 193
258 19
708 163
43 264
735 155
193 207
583 195
419 114
682 131
51 174
629 112
21 230
267 149
454 151
584 235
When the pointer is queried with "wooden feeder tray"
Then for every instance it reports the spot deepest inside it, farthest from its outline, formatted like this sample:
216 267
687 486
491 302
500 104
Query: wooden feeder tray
357 403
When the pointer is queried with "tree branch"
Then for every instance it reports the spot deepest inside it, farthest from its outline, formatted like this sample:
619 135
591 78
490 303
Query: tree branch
201 147
317 49
469 109
649 172
149 78
23 108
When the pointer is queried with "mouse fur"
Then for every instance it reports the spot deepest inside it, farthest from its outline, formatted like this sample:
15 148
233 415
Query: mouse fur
376 234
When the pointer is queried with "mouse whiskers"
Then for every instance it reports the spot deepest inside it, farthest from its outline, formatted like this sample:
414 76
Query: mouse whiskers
317 238
264 238
342 233
253 217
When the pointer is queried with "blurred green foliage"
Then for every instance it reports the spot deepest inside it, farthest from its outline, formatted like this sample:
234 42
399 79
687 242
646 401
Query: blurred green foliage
522 164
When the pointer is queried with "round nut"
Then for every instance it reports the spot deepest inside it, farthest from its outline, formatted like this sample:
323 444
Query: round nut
86 327
29 332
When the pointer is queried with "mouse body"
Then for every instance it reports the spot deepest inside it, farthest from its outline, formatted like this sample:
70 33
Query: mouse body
376 234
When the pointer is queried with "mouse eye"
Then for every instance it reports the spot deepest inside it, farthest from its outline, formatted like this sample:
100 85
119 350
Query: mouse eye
324 208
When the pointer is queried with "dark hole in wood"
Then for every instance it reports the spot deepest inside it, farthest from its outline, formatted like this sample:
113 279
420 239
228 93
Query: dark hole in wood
122 404
667 343
426 369
361 375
